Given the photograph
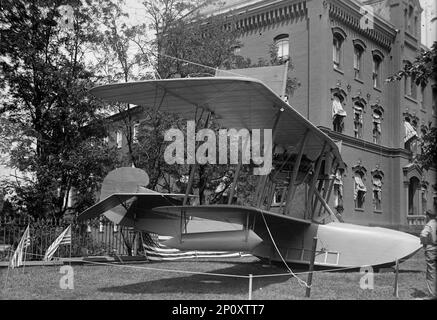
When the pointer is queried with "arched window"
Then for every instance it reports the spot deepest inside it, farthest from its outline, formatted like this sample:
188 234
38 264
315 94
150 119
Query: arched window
406 19
359 47
424 196
407 80
416 26
377 121
377 177
338 113
410 19
358 119
236 50
282 43
339 37
359 188
410 87
413 87
413 196
377 61
411 137
338 190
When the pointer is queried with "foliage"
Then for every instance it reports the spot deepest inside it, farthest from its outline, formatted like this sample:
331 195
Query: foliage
121 55
54 126
150 147
428 156
187 43
423 70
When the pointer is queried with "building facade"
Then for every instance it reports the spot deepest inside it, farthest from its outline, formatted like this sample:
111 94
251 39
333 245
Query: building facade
341 52
429 22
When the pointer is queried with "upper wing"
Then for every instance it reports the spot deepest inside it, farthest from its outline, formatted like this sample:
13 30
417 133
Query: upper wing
117 199
236 103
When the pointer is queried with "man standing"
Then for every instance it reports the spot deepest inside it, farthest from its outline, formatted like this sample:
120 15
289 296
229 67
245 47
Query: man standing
429 240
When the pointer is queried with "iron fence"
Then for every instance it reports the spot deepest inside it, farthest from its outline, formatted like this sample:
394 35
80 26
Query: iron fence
91 238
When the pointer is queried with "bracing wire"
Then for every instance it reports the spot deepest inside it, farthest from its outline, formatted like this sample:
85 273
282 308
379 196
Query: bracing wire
198 64
299 280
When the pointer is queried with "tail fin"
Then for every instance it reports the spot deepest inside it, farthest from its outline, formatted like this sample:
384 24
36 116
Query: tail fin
125 180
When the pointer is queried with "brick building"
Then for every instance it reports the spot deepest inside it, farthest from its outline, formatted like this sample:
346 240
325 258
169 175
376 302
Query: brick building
342 51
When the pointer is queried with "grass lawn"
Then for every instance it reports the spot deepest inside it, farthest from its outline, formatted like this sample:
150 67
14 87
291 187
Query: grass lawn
123 282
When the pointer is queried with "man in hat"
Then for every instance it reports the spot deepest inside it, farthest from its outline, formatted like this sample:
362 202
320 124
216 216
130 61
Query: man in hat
429 240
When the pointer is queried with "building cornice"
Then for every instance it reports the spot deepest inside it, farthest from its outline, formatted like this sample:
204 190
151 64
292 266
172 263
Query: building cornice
257 14
268 13
348 12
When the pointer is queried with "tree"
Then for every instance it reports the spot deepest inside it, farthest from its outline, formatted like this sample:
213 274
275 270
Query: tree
187 43
423 70
150 147
427 157
121 56
59 127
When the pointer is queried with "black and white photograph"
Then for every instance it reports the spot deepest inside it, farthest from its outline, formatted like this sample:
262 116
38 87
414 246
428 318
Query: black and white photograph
215 156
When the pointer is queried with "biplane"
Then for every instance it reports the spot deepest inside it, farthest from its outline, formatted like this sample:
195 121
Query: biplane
302 156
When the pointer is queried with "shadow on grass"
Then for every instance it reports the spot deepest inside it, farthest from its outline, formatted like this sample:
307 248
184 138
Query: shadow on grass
411 271
206 284
419 293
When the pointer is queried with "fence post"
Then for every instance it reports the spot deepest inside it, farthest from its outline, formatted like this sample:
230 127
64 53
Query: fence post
396 285
310 274
250 286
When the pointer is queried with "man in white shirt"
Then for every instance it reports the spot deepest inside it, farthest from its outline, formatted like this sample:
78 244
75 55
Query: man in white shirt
428 239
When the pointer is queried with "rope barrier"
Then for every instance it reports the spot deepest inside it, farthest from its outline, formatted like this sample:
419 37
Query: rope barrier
169 270
194 272
293 274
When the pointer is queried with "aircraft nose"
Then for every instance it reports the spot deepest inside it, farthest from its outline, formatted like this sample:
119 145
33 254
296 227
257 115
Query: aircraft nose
401 245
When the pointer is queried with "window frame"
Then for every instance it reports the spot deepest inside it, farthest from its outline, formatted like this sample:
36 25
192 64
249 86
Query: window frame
337 55
413 88
236 50
376 72
282 39
378 110
339 190
360 199
339 37
377 201
359 49
410 12
358 122
338 121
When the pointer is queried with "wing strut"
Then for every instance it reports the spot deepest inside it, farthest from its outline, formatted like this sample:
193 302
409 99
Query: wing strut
292 186
194 166
237 171
309 209
263 179
326 206
329 184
